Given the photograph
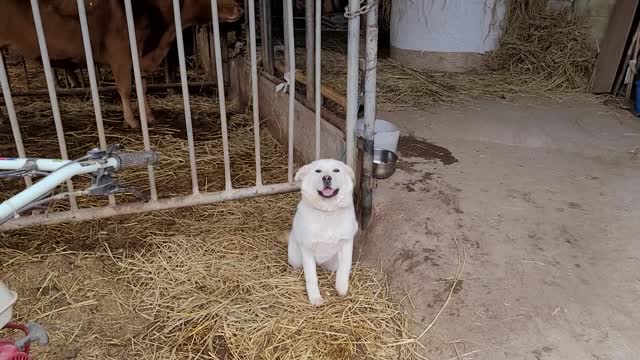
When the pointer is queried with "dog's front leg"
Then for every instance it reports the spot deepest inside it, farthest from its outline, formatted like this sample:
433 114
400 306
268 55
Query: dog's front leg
344 268
311 279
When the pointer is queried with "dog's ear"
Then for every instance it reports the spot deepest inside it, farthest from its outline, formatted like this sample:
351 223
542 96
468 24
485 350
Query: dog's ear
302 172
350 172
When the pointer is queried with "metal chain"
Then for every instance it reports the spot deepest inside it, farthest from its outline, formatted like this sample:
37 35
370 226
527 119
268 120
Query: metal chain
361 11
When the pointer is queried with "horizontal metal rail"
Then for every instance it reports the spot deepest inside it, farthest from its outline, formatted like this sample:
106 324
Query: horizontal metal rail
202 198
87 90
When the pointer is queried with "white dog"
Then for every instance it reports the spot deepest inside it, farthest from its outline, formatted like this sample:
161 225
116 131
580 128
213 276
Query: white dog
324 225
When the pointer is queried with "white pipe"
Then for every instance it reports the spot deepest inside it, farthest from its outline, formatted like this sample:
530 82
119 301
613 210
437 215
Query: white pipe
133 45
12 206
254 89
352 83
292 84
11 111
221 97
91 70
318 54
55 109
47 165
185 96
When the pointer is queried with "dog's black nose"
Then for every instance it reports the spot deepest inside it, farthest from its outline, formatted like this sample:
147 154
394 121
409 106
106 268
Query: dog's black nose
326 179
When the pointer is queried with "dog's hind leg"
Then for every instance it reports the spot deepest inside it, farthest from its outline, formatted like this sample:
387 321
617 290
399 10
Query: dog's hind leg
295 255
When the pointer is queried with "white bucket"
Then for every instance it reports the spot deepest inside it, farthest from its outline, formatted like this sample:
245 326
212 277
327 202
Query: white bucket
386 134
7 299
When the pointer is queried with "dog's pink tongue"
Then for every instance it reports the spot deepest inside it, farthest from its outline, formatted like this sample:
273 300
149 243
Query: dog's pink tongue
327 191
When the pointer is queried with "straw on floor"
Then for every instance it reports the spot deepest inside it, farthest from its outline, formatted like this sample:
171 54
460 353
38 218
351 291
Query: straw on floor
210 282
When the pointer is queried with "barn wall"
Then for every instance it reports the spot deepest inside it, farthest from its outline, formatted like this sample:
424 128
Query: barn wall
274 110
596 12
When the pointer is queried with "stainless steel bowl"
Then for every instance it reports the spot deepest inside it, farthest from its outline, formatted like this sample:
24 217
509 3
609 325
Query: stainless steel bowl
384 163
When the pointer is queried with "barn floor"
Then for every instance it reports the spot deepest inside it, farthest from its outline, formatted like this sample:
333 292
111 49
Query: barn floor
543 199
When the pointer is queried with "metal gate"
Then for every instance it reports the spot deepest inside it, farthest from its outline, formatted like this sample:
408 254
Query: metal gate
198 197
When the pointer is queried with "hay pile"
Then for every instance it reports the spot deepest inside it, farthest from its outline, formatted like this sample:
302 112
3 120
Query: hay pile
210 282
552 49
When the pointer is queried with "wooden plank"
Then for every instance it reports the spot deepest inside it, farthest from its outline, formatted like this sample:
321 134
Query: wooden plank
613 46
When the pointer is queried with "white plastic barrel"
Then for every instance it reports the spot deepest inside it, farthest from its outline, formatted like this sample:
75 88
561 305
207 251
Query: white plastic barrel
445 35
7 299
386 134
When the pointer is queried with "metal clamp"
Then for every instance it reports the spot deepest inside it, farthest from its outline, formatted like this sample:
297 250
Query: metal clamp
361 11
103 183
103 155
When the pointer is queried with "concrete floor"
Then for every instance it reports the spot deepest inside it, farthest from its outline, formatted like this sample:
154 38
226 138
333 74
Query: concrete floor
544 199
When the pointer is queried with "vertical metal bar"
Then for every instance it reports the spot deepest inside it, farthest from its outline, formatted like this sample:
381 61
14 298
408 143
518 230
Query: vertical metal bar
11 112
26 73
223 108
352 82
246 23
167 75
254 89
285 33
310 45
224 53
265 35
318 73
99 74
292 82
88 52
133 45
370 75
55 109
185 95
81 77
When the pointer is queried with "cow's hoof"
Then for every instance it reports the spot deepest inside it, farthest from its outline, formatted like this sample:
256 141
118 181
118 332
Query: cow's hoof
134 125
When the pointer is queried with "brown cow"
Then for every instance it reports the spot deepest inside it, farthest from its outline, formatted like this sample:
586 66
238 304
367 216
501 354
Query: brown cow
155 31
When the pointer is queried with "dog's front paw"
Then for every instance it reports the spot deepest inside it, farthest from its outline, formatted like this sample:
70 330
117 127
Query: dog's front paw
316 300
342 289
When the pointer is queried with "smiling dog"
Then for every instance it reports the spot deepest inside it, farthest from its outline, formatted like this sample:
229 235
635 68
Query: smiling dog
324 225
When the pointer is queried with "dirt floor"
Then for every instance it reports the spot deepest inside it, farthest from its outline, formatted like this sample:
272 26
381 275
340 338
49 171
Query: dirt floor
542 198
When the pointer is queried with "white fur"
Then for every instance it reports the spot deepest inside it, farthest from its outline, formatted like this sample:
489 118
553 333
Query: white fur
323 229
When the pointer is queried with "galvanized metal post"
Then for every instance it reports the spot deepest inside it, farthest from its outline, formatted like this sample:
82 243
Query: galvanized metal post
370 74
318 74
310 45
352 82
265 35
290 46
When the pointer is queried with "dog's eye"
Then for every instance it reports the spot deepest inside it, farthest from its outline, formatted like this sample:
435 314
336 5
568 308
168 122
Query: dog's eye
336 170
318 171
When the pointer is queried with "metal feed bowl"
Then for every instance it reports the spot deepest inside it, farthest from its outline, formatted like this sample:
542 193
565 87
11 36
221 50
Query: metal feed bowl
384 163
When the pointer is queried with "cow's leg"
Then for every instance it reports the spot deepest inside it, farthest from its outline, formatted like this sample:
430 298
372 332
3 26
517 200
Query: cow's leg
72 77
151 61
122 76
150 117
